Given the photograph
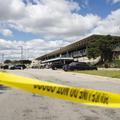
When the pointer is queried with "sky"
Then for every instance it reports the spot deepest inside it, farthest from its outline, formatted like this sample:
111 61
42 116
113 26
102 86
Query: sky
41 26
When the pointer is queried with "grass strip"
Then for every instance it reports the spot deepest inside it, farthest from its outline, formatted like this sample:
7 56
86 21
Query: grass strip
105 73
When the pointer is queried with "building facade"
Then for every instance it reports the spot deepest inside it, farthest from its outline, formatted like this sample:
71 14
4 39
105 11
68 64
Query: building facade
76 50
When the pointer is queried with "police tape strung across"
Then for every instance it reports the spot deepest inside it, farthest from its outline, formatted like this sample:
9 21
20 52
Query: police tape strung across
80 95
76 93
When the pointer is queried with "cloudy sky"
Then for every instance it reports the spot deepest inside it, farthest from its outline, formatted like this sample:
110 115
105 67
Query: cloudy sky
40 26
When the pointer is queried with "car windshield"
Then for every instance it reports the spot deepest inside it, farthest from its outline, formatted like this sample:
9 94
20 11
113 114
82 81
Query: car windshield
74 63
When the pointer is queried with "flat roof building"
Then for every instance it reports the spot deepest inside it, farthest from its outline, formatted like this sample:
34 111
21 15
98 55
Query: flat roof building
76 50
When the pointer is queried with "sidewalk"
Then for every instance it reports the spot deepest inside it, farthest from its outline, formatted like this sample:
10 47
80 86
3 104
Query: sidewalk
109 69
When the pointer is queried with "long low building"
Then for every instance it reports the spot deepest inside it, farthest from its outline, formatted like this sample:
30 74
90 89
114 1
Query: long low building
76 50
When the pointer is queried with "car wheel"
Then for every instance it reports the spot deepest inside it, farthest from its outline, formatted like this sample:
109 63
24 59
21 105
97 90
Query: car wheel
53 68
65 68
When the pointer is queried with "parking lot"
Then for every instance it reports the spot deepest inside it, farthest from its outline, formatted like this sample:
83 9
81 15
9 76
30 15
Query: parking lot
21 105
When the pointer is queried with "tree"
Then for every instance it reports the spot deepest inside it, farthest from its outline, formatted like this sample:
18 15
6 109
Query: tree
7 61
25 61
93 51
103 47
21 62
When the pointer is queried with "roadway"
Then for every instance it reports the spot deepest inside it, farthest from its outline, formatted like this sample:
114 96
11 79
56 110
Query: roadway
20 105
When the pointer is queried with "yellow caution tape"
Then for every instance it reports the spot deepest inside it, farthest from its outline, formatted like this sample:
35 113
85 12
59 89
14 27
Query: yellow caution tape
80 95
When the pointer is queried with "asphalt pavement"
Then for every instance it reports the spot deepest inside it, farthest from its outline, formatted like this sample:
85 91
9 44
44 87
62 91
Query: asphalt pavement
20 105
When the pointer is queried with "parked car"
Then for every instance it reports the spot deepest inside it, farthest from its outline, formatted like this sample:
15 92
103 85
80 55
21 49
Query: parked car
5 67
47 66
20 67
79 66
57 65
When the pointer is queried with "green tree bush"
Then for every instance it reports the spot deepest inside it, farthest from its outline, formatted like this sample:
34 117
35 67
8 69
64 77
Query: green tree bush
103 47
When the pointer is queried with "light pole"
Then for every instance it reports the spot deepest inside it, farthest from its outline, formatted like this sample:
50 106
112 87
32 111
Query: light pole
21 47
27 54
3 58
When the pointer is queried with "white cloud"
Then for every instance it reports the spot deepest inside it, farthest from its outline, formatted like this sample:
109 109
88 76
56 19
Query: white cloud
51 19
48 18
56 21
109 25
11 9
32 49
6 32
115 1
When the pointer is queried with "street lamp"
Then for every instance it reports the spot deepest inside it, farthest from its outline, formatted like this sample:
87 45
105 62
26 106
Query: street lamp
21 47
27 54
2 55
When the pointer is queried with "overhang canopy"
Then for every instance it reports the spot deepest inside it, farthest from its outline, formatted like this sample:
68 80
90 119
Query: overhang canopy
58 59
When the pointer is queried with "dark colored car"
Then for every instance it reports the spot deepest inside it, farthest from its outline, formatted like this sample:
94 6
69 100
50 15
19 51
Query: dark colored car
79 66
57 65
19 67
5 67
